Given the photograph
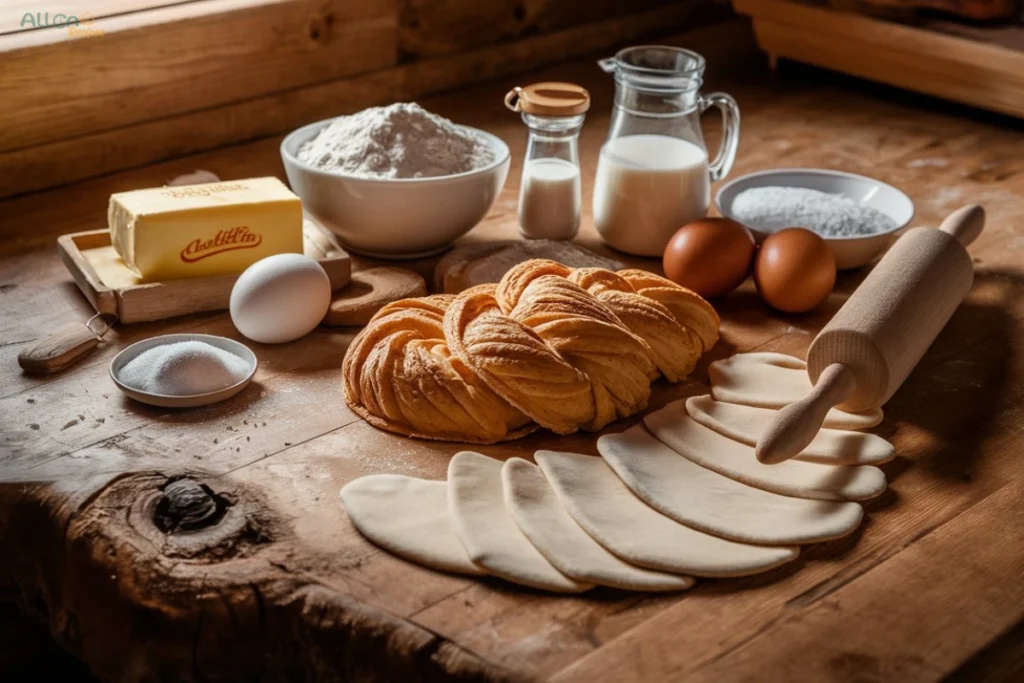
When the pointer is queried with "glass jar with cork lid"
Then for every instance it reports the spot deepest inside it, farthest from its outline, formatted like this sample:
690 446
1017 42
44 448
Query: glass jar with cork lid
550 193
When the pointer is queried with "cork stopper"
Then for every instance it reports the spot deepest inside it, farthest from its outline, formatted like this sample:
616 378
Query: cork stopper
549 99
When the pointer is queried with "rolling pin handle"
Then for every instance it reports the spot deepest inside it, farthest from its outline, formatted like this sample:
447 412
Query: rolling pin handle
795 426
965 224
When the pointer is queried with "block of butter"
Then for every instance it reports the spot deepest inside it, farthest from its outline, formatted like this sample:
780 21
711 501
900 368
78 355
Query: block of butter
168 233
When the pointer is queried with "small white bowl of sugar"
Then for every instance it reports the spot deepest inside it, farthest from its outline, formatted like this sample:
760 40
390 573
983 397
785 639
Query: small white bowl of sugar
857 216
183 370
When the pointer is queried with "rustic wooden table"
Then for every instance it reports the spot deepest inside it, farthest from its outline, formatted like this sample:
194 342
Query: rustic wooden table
209 544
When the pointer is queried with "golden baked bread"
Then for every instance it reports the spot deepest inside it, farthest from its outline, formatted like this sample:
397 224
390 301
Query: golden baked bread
548 346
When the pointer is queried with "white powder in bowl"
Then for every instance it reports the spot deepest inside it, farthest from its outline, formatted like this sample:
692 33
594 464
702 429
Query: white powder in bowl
183 369
773 208
401 140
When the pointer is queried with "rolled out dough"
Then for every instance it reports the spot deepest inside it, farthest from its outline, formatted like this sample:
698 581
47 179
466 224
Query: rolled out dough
830 447
706 447
409 518
774 380
705 500
600 503
541 517
488 533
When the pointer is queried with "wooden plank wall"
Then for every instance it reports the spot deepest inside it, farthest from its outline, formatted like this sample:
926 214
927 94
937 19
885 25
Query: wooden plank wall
179 78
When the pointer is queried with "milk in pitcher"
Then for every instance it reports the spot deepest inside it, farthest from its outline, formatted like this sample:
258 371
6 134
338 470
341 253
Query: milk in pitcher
646 188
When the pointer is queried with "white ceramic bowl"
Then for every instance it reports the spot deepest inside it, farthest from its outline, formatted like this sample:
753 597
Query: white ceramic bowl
399 218
850 252
178 401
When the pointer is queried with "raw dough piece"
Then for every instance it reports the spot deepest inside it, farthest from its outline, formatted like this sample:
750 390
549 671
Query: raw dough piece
409 518
541 517
618 520
774 380
736 460
369 291
706 500
488 533
831 446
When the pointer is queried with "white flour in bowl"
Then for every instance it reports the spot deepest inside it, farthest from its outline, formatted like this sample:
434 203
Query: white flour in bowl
401 140
773 208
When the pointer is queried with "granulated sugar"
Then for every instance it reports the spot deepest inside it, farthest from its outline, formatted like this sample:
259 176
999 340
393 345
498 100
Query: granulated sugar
401 140
183 369
830 215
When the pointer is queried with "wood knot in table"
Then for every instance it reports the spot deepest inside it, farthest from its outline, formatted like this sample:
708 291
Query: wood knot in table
188 505
186 517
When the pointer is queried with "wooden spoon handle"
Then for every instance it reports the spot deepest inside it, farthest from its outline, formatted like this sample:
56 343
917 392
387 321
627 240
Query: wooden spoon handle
795 426
66 346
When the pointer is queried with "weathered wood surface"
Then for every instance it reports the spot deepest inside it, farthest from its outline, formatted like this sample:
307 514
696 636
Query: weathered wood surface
980 68
431 28
14 19
209 544
208 73
181 58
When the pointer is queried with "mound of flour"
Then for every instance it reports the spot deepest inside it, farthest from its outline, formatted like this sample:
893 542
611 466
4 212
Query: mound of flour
402 140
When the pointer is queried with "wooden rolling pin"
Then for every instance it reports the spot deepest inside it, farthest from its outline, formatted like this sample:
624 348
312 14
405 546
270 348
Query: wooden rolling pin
861 357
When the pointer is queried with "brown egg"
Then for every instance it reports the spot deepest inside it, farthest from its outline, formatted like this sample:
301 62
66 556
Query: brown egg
711 256
794 270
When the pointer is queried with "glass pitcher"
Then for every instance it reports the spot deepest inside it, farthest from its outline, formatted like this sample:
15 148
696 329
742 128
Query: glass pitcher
653 172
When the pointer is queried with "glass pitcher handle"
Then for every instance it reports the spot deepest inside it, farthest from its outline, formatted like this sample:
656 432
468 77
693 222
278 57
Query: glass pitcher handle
730 132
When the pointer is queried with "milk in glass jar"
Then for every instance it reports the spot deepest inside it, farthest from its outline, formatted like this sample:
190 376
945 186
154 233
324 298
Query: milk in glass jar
653 172
550 193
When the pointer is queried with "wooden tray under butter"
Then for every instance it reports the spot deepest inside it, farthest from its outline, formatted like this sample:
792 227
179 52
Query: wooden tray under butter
112 288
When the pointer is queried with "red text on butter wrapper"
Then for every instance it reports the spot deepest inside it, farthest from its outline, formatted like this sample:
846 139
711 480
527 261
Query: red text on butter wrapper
225 240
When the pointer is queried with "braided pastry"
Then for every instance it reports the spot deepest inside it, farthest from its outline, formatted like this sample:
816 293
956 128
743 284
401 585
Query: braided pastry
548 346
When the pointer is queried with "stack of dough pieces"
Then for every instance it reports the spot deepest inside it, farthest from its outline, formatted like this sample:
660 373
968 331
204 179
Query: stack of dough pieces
680 496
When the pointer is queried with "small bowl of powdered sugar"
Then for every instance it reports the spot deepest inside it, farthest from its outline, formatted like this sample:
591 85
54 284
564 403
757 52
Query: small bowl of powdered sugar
183 370
857 216
395 181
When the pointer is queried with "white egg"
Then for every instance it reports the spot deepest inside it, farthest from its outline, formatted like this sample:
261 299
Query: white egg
280 298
